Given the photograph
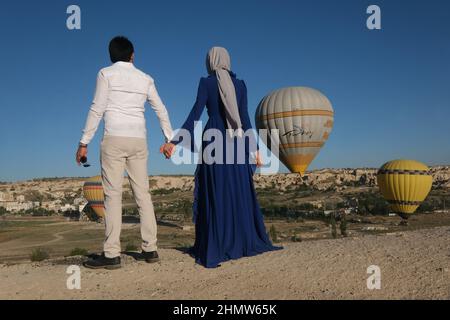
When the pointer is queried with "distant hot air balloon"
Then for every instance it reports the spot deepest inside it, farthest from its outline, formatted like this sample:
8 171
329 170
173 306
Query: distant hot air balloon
93 192
404 184
304 118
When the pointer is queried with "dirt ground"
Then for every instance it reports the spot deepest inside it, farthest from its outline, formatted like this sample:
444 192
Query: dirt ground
20 236
414 264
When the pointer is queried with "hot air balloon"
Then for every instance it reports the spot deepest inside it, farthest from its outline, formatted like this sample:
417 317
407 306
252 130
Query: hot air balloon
404 184
93 192
304 119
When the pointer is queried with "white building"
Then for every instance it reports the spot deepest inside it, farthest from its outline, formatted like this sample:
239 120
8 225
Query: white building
14 206
317 204
81 207
78 201
4 196
67 207
391 214
52 205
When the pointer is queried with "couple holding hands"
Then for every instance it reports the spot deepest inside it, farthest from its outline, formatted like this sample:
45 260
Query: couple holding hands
227 217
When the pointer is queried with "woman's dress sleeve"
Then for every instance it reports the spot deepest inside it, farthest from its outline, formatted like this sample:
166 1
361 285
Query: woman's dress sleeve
245 119
195 114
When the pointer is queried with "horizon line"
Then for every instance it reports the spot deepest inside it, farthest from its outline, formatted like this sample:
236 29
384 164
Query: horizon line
192 174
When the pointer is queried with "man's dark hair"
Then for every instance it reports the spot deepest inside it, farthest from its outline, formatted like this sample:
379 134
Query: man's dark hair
120 49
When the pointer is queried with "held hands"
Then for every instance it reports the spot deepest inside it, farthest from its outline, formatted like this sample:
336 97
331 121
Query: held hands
258 159
167 149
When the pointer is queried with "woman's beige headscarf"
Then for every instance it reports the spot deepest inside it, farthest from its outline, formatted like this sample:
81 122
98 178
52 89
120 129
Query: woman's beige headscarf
218 60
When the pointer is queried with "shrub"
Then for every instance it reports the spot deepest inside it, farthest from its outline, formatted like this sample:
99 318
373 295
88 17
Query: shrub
39 255
131 246
130 211
372 203
164 191
40 212
427 206
78 252
341 205
187 210
305 206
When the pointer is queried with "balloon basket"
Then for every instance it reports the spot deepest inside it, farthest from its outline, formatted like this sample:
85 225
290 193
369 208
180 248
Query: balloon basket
404 221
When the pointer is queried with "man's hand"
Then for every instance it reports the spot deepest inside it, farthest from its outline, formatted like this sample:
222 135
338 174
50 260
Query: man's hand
167 149
81 152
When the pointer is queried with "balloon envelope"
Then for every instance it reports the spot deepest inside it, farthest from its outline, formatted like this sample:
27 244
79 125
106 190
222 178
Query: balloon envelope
93 192
304 119
404 184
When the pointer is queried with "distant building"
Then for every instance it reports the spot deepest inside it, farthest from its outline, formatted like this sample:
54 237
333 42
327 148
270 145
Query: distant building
391 214
81 207
67 207
4 196
317 203
14 206
52 205
78 201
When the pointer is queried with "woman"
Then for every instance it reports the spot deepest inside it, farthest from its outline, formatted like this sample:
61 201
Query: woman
228 220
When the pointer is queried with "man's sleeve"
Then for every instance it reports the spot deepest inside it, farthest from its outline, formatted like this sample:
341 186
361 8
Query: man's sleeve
161 111
97 109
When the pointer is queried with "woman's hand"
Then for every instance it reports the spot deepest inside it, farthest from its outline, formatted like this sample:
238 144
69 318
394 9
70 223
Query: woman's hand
167 149
258 159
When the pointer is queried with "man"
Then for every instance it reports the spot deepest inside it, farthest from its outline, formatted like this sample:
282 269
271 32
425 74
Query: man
120 96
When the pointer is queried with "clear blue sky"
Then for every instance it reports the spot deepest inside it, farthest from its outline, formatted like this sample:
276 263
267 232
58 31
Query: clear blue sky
390 88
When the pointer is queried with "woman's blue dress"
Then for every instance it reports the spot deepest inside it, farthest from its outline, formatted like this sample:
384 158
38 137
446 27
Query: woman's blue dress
227 217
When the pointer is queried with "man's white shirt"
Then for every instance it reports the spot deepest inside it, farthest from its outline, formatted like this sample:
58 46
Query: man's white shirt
119 99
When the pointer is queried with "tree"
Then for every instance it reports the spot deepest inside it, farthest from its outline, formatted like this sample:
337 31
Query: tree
273 233
343 224
333 225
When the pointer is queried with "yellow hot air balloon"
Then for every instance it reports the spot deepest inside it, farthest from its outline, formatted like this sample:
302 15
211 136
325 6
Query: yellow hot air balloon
93 192
404 184
304 119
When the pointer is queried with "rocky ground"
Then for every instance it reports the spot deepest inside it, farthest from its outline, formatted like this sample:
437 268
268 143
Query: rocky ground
413 265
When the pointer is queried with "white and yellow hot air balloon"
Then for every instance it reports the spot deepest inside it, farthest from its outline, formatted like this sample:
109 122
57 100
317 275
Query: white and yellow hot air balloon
93 192
304 119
